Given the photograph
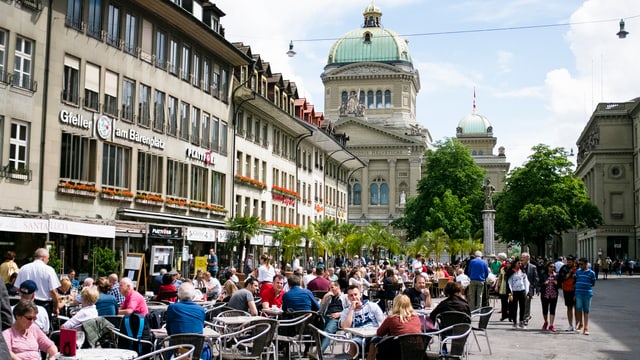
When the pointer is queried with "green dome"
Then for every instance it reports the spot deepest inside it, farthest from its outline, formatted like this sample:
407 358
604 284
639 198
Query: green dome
369 43
474 124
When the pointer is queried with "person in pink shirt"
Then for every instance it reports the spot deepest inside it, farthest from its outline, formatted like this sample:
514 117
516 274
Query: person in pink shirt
133 301
24 338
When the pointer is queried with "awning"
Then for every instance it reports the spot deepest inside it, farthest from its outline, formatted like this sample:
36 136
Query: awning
24 225
82 228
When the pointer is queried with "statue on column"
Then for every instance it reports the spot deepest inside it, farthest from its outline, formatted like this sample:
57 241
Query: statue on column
488 193
403 198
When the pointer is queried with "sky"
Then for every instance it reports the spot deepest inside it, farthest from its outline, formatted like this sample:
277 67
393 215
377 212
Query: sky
536 86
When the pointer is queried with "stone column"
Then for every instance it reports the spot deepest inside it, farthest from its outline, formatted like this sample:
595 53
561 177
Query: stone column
392 186
488 219
365 188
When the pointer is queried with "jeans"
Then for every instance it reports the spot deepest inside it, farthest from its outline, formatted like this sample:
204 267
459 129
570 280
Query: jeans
331 326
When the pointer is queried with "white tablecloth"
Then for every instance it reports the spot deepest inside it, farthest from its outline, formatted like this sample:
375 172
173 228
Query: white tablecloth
100 354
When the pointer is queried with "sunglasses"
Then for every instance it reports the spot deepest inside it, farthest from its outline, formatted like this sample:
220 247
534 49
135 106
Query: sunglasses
30 318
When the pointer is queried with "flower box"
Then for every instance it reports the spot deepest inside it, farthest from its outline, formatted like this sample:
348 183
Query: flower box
243 180
176 206
77 192
198 209
106 196
149 202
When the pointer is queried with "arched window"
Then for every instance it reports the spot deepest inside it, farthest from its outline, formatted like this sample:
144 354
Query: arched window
373 194
357 194
362 98
370 103
345 97
367 37
387 99
384 194
379 99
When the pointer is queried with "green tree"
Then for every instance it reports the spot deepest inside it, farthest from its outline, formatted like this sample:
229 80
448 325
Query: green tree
246 227
543 198
451 214
376 237
449 167
324 229
437 242
104 262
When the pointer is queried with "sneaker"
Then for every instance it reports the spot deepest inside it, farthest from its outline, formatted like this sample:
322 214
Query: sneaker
521 325
570 328
526 323
544 326
579 327
552 328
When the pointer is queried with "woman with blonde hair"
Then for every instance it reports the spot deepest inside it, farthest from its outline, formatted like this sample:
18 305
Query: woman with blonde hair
402 320
228 290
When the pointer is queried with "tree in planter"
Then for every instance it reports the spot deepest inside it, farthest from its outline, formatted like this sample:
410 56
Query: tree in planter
104 262
54 260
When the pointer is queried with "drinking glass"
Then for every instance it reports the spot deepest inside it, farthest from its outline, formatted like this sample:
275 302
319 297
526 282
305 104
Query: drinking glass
79 339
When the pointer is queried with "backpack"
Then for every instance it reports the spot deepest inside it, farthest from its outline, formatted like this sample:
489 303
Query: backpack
155 319
135 326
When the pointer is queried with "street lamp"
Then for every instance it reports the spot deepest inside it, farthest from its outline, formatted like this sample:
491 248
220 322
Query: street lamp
622 33
291 53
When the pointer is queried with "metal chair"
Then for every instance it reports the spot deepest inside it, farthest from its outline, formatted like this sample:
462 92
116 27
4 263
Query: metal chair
318 334
233 312
448 318
390 291
197 340
246 343
122 341
483 315
291 331
185 350
408 346
455 338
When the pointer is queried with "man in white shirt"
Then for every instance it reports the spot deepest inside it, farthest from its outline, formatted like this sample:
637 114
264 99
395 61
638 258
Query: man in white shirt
233 276
296 263
27 292
214 288
416 265
45 278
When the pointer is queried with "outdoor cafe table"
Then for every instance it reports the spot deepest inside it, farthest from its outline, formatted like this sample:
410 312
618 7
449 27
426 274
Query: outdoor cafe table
235 320
363 332
100 354
160 334
274 312
152 307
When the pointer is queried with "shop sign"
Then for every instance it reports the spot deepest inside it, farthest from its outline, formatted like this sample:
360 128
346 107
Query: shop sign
136 137
201 234
24 225
200 155
75 120
166 232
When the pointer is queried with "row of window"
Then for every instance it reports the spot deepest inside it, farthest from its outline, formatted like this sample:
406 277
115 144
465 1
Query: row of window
370 99
378 193
141 104
22 74
139 37
78 158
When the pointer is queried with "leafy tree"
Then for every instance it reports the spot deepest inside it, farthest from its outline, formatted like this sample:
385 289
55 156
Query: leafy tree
247 227
436 242
376 237
448 168
543 198
324 229
104 262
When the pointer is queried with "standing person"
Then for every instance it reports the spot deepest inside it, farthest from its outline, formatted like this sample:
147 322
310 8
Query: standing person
605 268
24 338
503 289
212 263
532 275
45 278
185 316
518 286
478 272
568 281
549 296
296 263
133 301
9 266
332 304
115 289
585 280
248 265
266 272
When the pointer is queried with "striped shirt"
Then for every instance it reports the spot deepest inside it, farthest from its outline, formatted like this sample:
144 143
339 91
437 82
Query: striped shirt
585 279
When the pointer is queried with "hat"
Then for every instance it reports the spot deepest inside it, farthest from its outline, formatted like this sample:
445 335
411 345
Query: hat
28 287
172 272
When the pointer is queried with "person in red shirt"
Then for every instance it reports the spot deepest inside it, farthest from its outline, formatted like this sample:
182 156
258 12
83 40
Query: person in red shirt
273 296
133 301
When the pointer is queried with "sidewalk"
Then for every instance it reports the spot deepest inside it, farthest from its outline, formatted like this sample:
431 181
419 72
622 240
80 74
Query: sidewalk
612 327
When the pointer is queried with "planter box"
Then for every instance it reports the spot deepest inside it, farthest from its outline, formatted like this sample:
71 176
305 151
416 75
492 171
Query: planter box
21 177
199 210
176 206
149 202
115 197
76 192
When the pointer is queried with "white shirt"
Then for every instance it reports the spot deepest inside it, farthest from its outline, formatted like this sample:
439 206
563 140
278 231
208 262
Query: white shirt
296 264
84 314
213 286
266 274
43 275
42 319
416 265
307 278
234 278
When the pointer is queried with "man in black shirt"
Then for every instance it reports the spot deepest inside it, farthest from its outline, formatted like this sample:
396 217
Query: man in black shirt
331 308
419 295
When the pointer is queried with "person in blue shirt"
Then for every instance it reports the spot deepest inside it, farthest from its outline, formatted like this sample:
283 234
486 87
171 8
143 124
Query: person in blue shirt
212 263
478 272
185 316
297 298
585 279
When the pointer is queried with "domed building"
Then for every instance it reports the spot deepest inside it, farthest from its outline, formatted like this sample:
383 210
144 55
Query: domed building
370 93
476 133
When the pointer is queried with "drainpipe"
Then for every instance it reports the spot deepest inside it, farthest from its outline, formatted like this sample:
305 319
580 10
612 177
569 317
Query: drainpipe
43 129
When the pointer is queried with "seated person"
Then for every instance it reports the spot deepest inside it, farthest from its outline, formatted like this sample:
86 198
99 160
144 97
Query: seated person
27 292
214 288
453 302
107 303
185 316
297 298
332 304
360 313
463 279
166 287
89 297
228 290
133 301
273 295
24 338
402 320
243 299
419 295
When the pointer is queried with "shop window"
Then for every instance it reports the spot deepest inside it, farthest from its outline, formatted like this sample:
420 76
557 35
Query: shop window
77 158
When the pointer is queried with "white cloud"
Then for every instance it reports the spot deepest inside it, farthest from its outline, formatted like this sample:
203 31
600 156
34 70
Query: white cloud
440 77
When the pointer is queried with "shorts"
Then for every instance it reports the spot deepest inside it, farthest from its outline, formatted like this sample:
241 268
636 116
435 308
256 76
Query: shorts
569 298
583 302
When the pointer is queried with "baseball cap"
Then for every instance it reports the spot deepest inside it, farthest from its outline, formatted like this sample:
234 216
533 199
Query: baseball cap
28 287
